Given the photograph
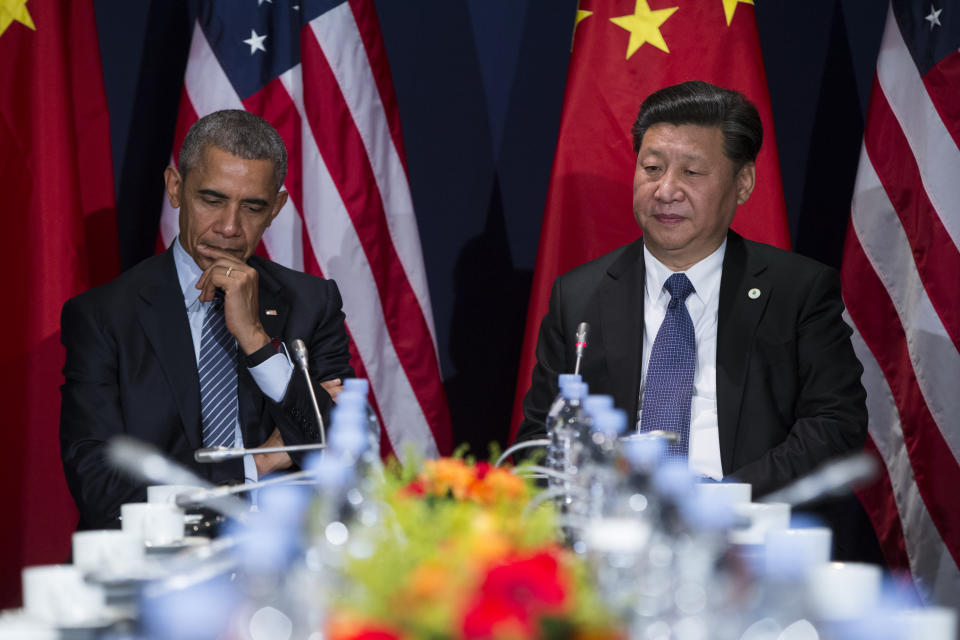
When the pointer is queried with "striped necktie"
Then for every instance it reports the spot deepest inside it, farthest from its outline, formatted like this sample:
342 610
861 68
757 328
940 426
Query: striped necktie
673 359
218 377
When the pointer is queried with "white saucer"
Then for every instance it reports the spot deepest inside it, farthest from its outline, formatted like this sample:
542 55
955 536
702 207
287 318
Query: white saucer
189 542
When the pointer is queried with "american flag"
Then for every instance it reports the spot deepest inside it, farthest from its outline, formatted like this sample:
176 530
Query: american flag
317 71
901 280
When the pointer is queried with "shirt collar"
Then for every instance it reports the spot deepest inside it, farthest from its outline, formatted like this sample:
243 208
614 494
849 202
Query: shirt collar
187 272
704 275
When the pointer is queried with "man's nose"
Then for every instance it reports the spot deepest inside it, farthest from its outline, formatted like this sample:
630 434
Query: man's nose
228 223
668 188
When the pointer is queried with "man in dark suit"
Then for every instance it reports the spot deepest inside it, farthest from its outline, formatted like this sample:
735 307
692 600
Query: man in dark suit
135 345
749 360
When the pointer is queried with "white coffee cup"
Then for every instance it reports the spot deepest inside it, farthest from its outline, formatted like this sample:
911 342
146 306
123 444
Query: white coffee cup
931 623
107 551
18 625
155 524
617 535
167 493
59 595
730 493
791 553
843 590
763 517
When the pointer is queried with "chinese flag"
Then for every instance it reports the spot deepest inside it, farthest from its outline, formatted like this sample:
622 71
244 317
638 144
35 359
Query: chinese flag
623 50
60 238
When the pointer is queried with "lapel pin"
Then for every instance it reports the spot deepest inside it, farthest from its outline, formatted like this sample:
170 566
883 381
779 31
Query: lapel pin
273 312
753 294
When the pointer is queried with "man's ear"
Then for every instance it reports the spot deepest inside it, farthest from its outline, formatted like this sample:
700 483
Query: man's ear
746 180
281 200
172 181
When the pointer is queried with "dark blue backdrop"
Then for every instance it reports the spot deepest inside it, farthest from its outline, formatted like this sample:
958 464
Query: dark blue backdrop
480 87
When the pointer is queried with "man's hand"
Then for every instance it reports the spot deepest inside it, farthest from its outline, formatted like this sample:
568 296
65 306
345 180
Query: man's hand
269 462
241 306
333 387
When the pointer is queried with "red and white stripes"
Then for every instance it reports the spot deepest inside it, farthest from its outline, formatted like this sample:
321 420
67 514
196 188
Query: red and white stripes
350 215
901 277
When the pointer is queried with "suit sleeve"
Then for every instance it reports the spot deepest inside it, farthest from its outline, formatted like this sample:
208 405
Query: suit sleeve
551 361
90 415
329 358
830 417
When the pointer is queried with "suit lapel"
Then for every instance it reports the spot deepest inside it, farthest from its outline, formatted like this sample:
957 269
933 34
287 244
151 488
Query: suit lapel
161 313
744 292
621 322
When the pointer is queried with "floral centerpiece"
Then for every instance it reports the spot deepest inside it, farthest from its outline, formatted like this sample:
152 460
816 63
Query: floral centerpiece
471 562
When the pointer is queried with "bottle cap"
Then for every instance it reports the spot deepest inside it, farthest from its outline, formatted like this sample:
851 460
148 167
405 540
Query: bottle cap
596 403
611 422
575 390
566 378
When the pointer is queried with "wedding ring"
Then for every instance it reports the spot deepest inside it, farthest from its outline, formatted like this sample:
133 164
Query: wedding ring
229 269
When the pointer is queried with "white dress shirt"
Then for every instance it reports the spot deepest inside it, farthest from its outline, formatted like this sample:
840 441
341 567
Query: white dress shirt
702 305
272 375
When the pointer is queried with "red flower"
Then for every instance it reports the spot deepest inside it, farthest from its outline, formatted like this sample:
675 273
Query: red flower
482 469
415 488
374 633
515 595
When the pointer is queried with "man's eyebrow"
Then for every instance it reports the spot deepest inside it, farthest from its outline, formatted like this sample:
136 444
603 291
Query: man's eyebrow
213 193
660 154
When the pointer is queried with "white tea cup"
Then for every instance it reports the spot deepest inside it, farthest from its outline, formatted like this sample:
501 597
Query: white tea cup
168 493
730 493
791 553
59 595
155 524
762 517
839 591
931 623
109 551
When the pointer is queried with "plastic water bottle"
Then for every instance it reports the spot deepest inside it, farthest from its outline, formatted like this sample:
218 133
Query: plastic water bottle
566 427
362 387
553 414
595 457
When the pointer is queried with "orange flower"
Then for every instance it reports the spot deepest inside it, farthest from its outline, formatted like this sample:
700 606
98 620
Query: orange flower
430 581
447 474
501 483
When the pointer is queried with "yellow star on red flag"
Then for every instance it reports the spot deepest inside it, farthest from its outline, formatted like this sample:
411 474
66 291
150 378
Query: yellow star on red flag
582 15
729 6
644 26
14 10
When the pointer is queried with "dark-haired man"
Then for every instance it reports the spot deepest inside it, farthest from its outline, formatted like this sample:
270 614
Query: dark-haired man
737 346
185 350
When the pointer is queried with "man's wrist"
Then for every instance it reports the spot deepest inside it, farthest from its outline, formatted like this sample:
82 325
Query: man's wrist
257 340
260 356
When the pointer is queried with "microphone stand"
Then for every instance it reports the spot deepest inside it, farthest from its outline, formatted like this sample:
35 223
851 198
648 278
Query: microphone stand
300 355
222 454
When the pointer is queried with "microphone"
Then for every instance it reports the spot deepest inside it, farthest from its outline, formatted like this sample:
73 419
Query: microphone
222 454
831 479
300 355
213 494
146 463
582 329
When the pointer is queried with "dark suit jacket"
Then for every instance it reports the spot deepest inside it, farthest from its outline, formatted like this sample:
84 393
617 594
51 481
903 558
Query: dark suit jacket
131 369
788 383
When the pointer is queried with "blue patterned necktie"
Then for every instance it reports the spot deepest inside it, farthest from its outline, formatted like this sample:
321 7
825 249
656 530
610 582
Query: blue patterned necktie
218 377
673 359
